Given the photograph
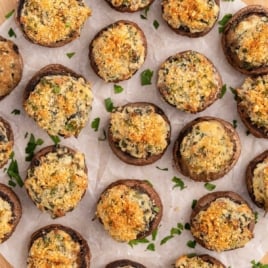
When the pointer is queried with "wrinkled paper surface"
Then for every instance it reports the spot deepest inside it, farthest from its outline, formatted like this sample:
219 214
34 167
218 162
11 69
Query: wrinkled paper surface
104 167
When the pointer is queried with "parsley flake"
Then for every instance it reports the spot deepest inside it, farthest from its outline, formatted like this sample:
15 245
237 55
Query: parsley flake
144 14
173 231
31 145
16 111
191 243
209 186
151 247
223 91
9 14
194 202
135 242
156 24
11 33
13 172
118 89
55 139
146 77
258 264
223 22
95 124
178 183
70 54
109 105
163 169
235 123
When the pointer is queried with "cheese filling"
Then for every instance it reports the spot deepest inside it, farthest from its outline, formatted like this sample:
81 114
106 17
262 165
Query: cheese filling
194 262
10 68
260 183
188 81
254 97
60 104
6 217
224 225
194 16
54 249
207 148
139 131
51 21
133 5
125 212
119 51
249 41
5 145
58 182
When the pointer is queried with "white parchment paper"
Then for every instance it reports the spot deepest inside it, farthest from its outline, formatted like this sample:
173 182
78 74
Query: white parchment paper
104 167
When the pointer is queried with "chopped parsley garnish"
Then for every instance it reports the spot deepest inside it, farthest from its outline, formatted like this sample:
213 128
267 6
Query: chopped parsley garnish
194 203
223 90
154 234
191 243
26 135
173 231
31 146
235 123
13 172
223 22
258 264
103 137
55 139
156 24
118 89
95 124
178 183
109 105
16 111
11 33
135 242
209 186
233 90
151 247
163 169
256 216
144 14
9 14
70 54
146 77
187 226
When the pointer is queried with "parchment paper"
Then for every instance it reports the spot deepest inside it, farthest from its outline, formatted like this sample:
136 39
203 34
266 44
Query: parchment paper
104 167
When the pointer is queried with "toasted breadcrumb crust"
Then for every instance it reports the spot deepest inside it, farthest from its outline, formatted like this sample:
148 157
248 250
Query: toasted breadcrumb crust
118 51
52 23
11 66
57 180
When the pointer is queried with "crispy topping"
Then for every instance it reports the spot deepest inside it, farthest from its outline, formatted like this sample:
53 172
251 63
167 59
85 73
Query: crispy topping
125 212
54 249
224 225
10 68
6 217
52 21
195 16
58 182
139 131
208 148
248 40
6 145
254 97
60 104
119 51
188 81
260 183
